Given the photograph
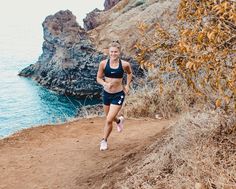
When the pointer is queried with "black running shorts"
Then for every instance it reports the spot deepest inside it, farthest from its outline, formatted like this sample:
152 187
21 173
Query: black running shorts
113 98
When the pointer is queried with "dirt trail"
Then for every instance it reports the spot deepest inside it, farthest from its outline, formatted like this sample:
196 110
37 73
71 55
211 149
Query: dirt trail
67 156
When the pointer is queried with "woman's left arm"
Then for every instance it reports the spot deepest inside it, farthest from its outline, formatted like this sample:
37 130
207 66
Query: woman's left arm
128 70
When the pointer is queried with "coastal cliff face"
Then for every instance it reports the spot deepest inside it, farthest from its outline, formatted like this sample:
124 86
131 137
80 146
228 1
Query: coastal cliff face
69 62
71 54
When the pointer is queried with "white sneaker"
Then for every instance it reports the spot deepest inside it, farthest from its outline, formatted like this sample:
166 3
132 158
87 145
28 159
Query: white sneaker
120 125
103 145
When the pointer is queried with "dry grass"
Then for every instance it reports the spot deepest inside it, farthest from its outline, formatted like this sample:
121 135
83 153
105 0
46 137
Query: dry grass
90 111
199 151
150 100
200 48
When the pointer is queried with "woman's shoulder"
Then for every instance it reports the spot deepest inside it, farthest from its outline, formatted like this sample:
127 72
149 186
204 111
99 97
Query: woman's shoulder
103 62
125 63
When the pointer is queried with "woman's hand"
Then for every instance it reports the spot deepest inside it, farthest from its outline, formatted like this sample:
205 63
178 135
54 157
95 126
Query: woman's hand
126 89
107 85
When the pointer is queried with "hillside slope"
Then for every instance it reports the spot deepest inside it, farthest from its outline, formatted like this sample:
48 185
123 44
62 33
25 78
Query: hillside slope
121 21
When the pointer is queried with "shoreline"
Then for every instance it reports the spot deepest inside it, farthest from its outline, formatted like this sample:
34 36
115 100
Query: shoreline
91 111
73 119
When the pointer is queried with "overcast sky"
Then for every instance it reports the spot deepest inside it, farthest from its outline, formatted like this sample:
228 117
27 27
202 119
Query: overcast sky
36 10
21 21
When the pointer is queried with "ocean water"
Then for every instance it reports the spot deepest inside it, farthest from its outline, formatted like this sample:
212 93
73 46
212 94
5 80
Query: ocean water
24 103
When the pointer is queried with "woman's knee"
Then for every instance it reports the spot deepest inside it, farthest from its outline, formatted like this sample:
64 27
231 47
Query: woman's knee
109 121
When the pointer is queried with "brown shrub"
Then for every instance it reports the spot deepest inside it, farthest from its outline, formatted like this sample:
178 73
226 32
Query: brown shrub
193 153
148 101
201 50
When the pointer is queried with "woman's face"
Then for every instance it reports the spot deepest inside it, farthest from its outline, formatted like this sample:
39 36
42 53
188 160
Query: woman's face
114 53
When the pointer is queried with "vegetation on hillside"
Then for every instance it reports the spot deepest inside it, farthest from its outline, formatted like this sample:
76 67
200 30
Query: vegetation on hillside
191 65
198 54
195 153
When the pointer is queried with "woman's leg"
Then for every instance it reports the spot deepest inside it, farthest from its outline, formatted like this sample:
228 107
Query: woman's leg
111 116
106 110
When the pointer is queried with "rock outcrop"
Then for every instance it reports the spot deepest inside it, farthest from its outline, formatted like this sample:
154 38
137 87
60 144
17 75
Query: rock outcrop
69 62
70 57
96 18
110 3
92 20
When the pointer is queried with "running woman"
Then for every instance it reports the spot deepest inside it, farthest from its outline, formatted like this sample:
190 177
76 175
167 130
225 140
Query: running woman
113 90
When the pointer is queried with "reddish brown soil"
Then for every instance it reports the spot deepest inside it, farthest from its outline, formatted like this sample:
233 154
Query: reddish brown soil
67 156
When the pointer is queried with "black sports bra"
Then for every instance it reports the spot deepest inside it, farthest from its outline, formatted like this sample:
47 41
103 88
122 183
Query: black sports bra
114 73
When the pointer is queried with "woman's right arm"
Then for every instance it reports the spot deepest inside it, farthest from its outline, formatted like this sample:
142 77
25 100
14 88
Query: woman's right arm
100 74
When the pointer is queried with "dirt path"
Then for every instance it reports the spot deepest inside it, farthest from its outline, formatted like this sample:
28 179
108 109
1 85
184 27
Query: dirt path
67 156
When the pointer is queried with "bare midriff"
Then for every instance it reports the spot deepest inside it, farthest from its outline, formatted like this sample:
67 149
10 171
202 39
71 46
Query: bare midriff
115 85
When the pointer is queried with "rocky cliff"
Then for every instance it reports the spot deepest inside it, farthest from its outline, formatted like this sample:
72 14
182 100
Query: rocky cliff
121 21
69 62
110 3
93 18
70 57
